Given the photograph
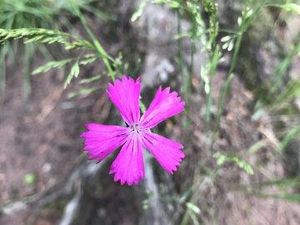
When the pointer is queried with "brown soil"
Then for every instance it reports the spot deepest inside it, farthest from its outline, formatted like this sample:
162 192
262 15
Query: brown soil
40 136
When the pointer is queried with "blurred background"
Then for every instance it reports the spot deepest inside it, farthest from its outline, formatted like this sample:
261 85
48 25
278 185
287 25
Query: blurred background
235 62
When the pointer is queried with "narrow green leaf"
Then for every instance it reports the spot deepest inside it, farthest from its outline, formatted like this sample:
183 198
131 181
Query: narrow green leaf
291 135
89 80
221 159
290 7
74 72
138 13
82 92
51 65
88 60
193 207
292 90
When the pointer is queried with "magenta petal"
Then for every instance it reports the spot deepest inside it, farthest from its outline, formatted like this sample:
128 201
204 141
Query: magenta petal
125 94
128 167
166 151
164 105
101 140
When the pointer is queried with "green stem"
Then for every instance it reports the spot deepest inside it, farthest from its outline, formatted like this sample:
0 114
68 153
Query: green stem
102 53
3 52
226 88
26 73
184 71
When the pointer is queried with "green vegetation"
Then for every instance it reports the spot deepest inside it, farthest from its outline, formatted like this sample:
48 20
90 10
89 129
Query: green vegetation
40 25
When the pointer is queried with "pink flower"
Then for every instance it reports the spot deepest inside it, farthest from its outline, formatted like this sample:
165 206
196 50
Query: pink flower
101 140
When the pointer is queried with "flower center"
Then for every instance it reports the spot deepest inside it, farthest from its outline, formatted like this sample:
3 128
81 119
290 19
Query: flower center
136 128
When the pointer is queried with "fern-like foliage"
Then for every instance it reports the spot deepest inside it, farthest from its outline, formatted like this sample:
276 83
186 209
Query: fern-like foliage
75 68
45 36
